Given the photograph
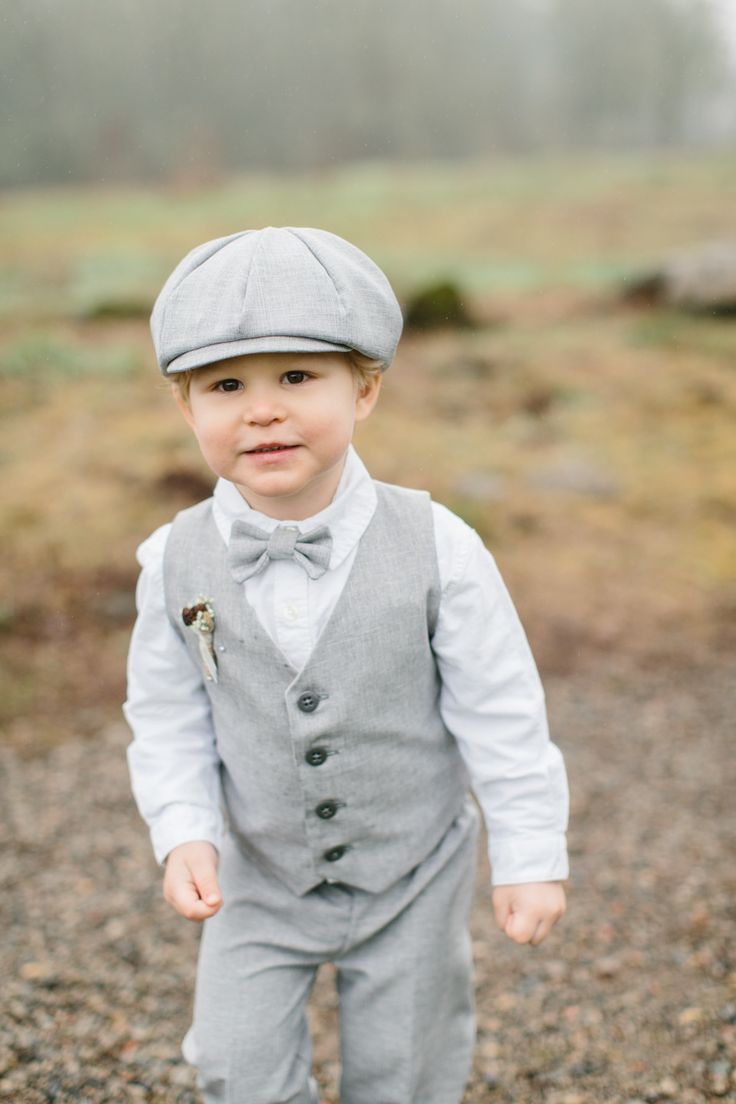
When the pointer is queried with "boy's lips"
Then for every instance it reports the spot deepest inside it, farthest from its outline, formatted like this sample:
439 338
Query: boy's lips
271 446
267 455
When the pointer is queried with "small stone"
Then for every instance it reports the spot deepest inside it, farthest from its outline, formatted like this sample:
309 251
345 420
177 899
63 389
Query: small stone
488 1049
181 1075
34 971
555 969
719 1077
583 1068
690 1016
607 967
668 1087
699 919
505 1001
115 929
128 1050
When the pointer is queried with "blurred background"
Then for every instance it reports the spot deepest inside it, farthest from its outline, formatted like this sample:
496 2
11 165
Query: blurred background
549 185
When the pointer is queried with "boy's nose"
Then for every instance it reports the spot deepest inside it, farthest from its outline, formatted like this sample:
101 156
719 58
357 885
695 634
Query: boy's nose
263 409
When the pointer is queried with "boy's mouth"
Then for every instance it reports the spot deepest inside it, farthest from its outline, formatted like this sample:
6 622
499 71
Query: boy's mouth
273 447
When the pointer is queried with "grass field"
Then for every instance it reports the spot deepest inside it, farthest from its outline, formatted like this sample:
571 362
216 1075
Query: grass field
590 443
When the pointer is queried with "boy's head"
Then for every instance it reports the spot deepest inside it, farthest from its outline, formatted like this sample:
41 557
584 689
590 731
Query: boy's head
275 341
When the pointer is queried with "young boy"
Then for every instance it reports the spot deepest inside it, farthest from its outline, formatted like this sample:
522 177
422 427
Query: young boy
321 666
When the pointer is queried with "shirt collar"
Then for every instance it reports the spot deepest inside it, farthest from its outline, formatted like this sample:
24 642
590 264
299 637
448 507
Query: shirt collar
347 516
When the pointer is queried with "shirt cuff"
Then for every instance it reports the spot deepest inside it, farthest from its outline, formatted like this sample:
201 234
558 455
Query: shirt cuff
182 823
518 860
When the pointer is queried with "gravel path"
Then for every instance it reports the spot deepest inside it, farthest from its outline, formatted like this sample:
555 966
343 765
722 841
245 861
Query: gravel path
633 998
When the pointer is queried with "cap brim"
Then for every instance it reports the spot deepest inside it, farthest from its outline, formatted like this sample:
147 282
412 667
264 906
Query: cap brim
211 354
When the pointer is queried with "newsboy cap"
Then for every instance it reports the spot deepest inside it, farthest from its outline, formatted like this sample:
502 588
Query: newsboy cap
277 290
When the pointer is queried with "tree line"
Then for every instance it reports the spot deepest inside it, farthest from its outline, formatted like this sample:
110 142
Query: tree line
99 91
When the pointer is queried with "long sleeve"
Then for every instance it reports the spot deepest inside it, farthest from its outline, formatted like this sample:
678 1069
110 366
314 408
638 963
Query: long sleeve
493 703
173 761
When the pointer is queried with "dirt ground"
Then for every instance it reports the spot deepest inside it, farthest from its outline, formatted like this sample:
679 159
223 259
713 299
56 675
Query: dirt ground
633 997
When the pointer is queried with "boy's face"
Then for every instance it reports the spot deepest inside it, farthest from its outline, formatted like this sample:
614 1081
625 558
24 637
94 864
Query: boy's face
278 426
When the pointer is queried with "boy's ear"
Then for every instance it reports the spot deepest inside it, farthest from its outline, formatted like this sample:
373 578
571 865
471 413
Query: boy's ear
367 396
183 405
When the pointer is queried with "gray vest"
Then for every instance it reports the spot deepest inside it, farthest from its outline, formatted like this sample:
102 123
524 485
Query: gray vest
343 770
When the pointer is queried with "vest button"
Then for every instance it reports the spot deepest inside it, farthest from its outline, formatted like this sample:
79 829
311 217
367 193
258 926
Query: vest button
307 702
316 756
334 854
326 809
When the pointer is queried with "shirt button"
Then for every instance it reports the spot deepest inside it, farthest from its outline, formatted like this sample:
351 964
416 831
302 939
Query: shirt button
307 702
334 854
290 613
326 809
316 756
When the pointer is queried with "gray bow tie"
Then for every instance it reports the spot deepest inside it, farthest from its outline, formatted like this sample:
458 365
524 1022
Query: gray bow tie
251 549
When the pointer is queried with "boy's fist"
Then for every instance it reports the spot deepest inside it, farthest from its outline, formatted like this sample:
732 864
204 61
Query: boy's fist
527 913
190 881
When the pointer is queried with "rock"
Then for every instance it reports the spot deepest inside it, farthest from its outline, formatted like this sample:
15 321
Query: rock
702 279
575 473
438 304
481 485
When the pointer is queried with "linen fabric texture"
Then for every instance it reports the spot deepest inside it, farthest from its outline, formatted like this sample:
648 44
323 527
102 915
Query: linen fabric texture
404 977
393 779
251 549
274 290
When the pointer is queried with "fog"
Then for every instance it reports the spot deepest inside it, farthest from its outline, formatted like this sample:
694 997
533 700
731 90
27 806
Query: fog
140 91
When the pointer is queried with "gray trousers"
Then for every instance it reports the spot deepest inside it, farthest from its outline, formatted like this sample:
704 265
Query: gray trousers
404 977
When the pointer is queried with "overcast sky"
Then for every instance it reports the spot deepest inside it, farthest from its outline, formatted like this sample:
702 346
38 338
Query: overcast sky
728 10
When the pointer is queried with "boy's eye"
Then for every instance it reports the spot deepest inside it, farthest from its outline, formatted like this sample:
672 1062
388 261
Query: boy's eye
295 377
227 385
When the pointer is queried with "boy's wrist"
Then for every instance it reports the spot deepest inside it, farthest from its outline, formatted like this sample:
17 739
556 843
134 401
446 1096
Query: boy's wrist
181 848
529 859
181 822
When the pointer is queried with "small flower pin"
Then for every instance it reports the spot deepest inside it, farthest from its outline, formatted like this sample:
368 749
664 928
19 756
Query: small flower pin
200 618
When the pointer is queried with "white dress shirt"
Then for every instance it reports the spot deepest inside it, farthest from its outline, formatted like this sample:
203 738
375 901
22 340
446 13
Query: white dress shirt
491 698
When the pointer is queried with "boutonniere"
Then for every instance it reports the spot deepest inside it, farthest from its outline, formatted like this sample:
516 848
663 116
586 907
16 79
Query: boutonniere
200 618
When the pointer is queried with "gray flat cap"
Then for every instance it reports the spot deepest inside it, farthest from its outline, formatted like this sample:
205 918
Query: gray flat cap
280 289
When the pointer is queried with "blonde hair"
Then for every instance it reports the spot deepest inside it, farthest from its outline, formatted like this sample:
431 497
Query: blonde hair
363 367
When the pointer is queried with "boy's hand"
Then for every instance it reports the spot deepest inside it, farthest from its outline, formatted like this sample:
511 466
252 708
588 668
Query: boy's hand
190 881
527 913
